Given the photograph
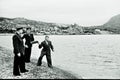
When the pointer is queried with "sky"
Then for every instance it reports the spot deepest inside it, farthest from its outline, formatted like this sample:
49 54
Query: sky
82 12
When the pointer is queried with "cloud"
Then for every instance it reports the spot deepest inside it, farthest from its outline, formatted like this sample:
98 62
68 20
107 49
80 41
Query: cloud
84 12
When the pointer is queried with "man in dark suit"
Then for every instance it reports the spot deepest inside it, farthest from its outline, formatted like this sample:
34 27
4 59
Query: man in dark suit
18 46
28 44
47 47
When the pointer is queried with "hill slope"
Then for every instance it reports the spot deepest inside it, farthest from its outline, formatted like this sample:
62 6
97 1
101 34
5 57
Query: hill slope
35 72
39 26
113 24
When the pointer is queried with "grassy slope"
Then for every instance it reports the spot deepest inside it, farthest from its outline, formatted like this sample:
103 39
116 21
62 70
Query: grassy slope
35 72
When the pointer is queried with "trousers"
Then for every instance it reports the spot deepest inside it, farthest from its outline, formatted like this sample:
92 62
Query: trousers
48 57
27 54
19 65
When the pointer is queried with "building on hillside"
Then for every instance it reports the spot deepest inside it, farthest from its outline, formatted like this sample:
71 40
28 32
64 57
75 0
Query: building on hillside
75 29
97 31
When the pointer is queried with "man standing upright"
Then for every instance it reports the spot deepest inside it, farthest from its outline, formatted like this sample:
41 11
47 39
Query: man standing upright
47 47
28 44
18 46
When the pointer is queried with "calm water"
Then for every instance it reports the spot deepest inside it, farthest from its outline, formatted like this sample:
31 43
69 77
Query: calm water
89 56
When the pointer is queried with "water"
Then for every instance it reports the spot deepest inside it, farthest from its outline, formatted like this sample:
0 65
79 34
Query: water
89 56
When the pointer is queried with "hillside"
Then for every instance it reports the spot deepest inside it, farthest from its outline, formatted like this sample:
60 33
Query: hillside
39 27
8 25
110 27
35 72
113 24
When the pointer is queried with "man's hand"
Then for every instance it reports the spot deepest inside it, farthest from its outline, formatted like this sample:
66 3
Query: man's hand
34 42
19 54
38 43
26 46
53 50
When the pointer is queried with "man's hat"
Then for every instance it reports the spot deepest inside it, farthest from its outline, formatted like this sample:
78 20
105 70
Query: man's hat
46 36
19 28
28 28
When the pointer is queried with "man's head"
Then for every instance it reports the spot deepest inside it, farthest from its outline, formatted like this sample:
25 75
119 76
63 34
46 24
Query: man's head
19 30
47 38
28 30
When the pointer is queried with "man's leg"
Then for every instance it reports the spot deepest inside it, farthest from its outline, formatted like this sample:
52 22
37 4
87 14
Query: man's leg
16 71
22 65
40 59
29 53
49 61
25 55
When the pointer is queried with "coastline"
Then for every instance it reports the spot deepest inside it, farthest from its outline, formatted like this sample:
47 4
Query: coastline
35 72
11 34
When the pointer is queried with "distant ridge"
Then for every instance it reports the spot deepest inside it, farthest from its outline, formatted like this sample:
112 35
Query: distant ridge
114 22
7 24
112 25
40 27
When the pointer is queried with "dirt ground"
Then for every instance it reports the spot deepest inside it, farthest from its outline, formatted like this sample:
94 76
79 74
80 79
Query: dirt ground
35 72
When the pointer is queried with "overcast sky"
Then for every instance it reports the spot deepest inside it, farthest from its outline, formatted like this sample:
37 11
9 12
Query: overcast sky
82 12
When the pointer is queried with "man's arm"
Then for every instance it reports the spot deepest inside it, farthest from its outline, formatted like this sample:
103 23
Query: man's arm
23 36
32 39
40 45
51 46
16 45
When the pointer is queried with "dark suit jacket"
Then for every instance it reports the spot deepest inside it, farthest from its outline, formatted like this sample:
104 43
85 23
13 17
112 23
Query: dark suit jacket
18 45
46 47
29 39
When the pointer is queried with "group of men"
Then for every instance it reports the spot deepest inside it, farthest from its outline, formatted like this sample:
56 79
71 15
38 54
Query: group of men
22 51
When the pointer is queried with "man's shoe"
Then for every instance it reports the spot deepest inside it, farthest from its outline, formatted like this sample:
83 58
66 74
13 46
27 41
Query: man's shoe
16 74
50 67
24 71
27 61
38 65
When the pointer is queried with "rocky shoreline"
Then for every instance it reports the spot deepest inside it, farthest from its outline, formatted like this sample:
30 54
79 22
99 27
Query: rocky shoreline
35 72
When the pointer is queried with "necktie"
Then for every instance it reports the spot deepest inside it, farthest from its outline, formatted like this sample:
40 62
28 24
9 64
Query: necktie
46 42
